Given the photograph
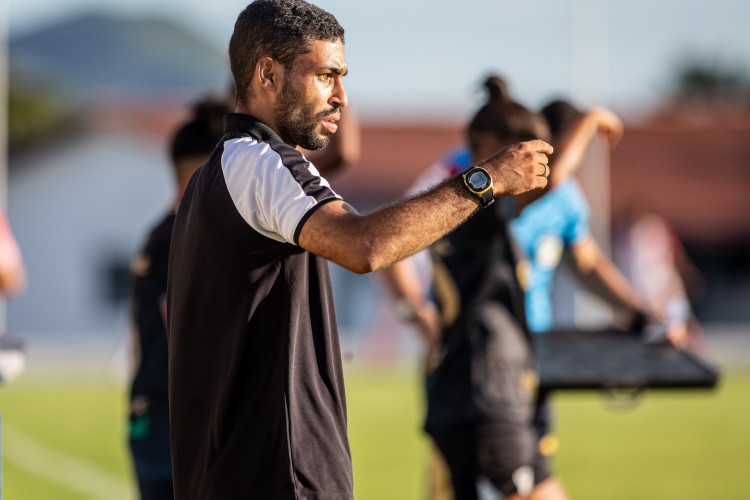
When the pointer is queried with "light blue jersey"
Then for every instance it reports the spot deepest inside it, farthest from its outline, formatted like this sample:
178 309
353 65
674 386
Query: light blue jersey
544 228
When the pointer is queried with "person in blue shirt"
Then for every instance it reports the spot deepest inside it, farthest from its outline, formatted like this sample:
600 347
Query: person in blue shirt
546 226
543 230
548 221
480 381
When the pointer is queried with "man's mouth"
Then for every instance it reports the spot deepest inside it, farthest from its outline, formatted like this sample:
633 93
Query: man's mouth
330 123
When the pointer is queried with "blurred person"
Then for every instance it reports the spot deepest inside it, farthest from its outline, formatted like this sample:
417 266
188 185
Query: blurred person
480 370
256 389
559 220
12 284
190 146
656 262
12 269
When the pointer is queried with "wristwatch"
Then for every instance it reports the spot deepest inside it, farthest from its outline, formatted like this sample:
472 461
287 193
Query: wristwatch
479 182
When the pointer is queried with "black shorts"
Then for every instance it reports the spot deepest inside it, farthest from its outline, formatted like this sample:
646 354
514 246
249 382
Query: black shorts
149 445
504 452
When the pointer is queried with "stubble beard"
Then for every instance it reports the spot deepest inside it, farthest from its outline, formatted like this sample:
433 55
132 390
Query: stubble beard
297 121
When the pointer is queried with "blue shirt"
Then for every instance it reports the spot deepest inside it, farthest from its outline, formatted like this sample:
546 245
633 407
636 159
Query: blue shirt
542 230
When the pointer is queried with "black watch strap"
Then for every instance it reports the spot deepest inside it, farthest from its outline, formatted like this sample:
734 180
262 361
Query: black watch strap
487 199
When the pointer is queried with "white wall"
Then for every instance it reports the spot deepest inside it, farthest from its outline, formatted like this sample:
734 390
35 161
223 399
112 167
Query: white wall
72 208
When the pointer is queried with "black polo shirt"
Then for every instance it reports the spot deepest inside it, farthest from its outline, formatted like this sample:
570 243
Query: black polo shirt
149 290
486 373
256 385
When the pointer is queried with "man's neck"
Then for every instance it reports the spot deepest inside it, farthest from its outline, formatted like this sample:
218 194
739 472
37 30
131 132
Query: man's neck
260 111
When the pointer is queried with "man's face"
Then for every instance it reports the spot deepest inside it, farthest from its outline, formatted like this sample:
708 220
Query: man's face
309 103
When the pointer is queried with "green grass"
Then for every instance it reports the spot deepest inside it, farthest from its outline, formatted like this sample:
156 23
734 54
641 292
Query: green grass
389 451
672 445
82 419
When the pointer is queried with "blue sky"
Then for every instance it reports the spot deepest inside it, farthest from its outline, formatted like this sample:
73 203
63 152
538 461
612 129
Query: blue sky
418 57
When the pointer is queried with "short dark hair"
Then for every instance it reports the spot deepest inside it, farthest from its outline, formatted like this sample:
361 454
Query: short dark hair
504 117
200 133
282 29
561 115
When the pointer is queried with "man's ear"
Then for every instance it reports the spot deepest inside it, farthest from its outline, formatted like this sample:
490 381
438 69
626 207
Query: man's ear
269 74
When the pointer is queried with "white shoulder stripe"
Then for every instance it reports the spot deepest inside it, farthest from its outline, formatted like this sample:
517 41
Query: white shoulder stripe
264 191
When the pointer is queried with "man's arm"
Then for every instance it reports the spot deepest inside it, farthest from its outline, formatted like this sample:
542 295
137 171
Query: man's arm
365 243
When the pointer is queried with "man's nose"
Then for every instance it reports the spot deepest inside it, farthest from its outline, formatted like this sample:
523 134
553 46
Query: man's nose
339 96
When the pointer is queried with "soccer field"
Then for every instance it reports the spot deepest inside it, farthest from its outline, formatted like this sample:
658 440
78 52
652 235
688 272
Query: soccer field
64 439
670 445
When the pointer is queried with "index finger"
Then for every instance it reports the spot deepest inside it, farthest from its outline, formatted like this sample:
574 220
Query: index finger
539 146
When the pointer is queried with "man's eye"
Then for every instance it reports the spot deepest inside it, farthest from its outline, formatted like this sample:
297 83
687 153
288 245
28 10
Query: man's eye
324 77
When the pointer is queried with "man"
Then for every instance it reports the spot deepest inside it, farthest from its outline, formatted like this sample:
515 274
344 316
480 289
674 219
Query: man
257 399
190 146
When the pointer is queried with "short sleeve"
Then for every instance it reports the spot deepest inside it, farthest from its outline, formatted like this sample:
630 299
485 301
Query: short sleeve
273 187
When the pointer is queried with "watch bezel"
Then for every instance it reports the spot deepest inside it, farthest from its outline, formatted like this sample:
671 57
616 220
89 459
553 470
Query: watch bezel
485 193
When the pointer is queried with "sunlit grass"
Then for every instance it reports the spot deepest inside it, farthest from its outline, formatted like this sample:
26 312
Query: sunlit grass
672 445
83 419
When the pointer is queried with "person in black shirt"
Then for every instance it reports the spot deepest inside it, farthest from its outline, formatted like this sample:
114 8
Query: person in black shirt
256 392
190 146
149 426
481 381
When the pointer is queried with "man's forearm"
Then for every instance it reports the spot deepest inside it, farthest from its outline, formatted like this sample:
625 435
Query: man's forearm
411 225
379 239
370 242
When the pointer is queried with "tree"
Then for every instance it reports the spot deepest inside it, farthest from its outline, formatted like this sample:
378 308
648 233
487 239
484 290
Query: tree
711 81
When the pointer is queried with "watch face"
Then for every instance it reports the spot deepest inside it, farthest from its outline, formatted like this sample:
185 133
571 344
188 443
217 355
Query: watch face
478 180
